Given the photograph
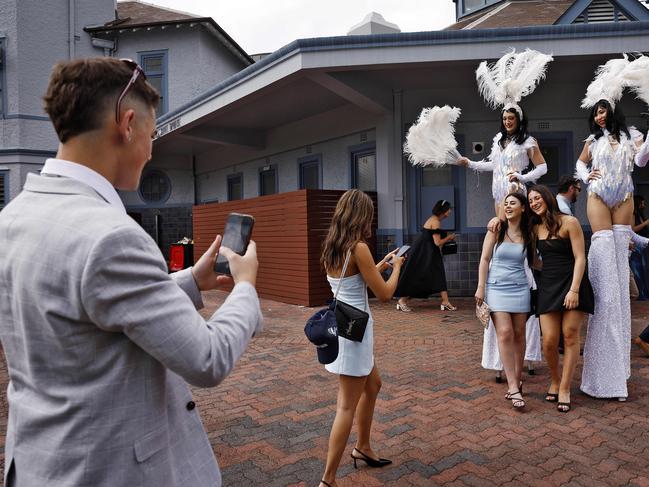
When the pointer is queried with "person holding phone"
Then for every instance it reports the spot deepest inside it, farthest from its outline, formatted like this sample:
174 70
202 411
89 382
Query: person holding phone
359 378
100 340
423 273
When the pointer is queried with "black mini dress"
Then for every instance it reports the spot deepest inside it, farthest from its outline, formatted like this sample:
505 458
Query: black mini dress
555 278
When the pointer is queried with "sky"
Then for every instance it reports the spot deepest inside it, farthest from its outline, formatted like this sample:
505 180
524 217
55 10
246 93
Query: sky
264 26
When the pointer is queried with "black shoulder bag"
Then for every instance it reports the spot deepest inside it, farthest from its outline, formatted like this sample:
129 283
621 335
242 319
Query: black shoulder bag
351 320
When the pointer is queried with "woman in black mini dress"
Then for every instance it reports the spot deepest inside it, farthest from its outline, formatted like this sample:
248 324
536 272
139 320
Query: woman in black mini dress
564 292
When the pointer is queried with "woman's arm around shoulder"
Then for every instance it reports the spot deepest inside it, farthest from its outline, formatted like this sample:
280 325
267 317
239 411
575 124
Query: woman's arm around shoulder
383 290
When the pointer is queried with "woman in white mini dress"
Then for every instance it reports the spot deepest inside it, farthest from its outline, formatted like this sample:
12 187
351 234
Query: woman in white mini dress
349 262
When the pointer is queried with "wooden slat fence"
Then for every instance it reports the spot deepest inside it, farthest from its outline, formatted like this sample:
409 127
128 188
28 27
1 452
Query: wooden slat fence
289 230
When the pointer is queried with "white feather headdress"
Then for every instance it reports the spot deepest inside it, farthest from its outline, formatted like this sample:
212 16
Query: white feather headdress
609 83
504 83
431 140
636 76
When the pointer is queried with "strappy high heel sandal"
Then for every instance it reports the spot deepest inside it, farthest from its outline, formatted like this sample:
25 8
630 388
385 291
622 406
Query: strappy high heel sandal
447 307
551 397
520 389
404 307
381 462
327 484
518 403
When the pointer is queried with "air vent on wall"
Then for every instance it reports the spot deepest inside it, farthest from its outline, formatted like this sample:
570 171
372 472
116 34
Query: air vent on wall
363 136
543 125
308 149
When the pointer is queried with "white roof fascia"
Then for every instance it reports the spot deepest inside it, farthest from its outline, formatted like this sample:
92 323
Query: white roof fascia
342 59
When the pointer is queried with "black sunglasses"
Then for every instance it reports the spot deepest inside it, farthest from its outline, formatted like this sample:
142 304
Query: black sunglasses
137 72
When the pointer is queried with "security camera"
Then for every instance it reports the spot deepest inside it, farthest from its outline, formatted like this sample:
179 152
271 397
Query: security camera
477 147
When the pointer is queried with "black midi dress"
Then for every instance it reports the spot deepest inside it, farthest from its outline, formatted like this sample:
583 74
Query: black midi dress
555 278
423 272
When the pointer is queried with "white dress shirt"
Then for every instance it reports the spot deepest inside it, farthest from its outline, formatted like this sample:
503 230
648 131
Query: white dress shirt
79 172
564 205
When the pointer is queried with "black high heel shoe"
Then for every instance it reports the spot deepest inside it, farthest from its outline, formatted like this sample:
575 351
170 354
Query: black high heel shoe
381 462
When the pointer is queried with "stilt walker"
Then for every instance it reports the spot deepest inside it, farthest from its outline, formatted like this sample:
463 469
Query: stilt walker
611 150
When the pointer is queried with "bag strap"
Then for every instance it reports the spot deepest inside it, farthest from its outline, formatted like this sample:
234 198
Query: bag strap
340 279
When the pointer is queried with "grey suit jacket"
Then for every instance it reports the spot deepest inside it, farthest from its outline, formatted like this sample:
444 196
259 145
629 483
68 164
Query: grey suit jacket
99 342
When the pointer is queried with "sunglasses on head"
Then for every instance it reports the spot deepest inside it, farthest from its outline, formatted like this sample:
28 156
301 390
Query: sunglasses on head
137 72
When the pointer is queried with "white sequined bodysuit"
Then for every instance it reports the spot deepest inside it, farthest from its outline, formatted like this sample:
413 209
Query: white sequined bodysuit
615 163
513 158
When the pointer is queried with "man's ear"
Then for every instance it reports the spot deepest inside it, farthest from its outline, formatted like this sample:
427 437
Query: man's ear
126 125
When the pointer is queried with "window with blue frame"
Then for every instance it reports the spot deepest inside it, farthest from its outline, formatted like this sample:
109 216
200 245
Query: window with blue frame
267 180
467 7
154 64
309 172
364 169
235 187
4 190
2 77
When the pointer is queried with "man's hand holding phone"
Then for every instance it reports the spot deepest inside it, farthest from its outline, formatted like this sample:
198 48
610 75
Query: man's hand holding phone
243 268
203 269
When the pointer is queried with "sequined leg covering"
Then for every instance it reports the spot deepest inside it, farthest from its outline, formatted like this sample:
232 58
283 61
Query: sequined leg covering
622 235
604 372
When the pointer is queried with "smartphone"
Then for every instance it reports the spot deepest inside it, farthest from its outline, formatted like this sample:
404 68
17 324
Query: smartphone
236 236
403 250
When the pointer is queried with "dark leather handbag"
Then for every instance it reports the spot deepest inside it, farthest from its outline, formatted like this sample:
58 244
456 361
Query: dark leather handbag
449 248
351 321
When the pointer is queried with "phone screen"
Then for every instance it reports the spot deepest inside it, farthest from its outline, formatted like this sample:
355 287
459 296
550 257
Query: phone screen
403 250
238 229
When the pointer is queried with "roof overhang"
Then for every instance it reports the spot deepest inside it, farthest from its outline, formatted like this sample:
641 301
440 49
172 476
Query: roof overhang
207 22
310 76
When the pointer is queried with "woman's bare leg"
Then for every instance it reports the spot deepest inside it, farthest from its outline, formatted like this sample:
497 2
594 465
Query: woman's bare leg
571 327
365 413
349 393
506 347
551 329
599 215
518 325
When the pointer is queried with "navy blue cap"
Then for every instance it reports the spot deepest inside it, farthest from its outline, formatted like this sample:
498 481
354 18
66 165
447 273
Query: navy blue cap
322 330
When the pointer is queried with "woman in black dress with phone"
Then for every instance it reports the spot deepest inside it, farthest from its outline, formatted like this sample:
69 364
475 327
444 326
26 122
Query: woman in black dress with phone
564 291
423 272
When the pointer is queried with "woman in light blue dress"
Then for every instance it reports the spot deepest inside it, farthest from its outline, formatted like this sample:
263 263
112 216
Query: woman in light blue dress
504 286
349 263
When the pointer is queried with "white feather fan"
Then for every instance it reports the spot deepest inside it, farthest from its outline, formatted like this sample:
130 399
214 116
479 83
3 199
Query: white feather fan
609 83
431 140
512 77
636 76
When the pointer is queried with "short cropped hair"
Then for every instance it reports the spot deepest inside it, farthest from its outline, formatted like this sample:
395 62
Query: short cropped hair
81 90
567 182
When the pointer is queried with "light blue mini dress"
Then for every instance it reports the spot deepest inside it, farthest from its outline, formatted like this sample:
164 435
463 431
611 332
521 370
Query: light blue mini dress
507 286
354 358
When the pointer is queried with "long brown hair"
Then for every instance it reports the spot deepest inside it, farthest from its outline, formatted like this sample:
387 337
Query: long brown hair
525 227
350 224
551 219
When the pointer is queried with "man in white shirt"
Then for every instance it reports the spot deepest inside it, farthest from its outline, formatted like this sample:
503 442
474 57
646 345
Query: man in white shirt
569 189
100 340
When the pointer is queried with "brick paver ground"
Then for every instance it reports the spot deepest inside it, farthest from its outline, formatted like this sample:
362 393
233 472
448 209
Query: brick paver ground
440 416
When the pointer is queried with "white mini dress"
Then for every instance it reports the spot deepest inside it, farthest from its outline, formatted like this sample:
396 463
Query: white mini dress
354 358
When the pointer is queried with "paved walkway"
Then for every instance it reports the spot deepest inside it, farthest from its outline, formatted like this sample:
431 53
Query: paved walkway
440 417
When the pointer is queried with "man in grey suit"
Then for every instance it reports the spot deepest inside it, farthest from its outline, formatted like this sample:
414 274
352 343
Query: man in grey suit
99 340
